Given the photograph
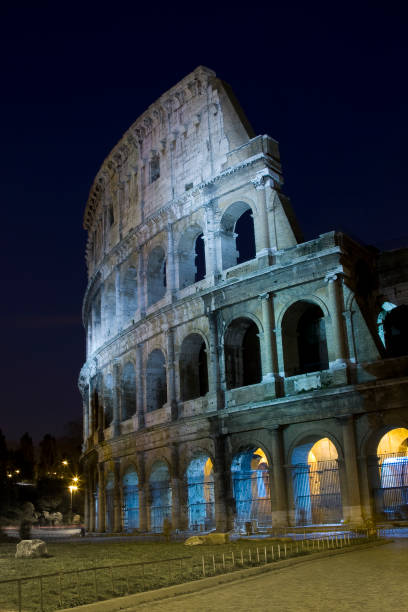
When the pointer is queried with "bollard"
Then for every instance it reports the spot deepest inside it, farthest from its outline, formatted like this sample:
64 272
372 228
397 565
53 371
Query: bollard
273 554
266 556
213 559
203 564
223 560
257 554
278 551
233 558
242 558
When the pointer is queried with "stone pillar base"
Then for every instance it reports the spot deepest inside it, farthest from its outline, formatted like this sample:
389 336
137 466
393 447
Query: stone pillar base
279 518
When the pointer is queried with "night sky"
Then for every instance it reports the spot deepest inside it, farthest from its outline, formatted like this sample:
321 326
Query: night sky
329 83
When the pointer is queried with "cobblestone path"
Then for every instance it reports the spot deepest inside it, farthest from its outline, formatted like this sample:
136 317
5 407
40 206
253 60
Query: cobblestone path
373 580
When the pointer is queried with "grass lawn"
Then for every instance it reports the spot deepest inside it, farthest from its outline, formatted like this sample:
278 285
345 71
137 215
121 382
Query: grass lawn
77 588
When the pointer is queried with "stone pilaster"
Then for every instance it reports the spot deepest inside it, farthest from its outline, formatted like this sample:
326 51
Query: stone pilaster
278 484
139 387
117 399
101 498
339 346
214 374
262 226
141 283
170 269
352 506
118 301
212 267
224 499
117 499
270 367
171 378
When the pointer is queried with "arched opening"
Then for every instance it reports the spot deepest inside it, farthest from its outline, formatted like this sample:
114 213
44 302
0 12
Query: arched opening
200 494
160 496
191 257
156 383
156 276
193 368
130 500
96 321
129 295
304 339
108 399
242 354
95 404
128 391
95 495
109 501
316 483
251 489
391 497
396 331
238 235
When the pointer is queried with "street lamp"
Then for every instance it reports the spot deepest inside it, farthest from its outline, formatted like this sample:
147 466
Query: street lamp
72 488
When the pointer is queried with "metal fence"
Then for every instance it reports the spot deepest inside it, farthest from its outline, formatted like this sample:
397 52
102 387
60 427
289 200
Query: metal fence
52 591
391 498
317 493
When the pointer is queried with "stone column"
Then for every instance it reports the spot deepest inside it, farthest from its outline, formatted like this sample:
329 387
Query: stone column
214 374
141 283
171 379
117 408
140 411
86 505
91 503
366 504
278 484
262 233
175 487
339 348
89 333
85 407
117 499
170 269
352 510
101 498
270 366
212 268
118 301
143 493
224 499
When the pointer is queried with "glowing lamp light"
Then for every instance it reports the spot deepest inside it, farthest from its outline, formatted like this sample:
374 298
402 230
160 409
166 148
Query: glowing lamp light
64 462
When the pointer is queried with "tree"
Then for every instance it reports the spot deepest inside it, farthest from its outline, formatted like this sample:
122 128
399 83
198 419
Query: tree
48 463
24 457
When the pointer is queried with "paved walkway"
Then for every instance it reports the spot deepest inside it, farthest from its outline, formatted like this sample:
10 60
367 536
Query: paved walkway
372 580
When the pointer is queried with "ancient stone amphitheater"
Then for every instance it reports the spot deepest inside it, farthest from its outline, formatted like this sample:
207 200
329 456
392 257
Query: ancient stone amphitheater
236 376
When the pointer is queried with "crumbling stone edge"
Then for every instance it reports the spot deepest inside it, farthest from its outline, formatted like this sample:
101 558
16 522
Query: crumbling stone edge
128 602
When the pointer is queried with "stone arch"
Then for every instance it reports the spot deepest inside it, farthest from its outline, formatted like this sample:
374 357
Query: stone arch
156 275
396 331
128 391
304 340
315 479
388 478
108 399
156 381
128 293
193 367
242 353
191 256
251 488
130 488
109 501
160 495
237 235
200 492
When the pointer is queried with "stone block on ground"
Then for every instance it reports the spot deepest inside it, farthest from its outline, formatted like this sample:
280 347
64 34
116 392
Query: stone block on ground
210 538
31 549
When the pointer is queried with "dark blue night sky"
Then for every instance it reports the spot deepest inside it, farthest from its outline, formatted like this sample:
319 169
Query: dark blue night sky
328 81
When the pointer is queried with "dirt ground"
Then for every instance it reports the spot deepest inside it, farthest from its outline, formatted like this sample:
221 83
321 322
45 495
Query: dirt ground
370 580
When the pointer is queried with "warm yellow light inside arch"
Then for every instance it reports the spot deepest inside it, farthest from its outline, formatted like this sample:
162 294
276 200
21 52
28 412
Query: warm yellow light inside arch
323 450
208 467
394 441
259 452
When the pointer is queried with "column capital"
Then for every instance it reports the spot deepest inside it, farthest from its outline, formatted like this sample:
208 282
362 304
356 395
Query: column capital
333 275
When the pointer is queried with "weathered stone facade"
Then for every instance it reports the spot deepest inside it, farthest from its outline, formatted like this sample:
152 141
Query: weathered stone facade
220 347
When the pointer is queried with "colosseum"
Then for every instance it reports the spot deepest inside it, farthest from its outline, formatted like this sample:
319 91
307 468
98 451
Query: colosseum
236 376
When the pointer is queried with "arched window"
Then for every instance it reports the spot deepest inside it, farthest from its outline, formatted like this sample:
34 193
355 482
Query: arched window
191 257
200 494
156 383
193 368
238 235
130 500
160 496
250 484
129 391
242 354
156 276
304 339
108 399
316 483
109 309
385 309
396 331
